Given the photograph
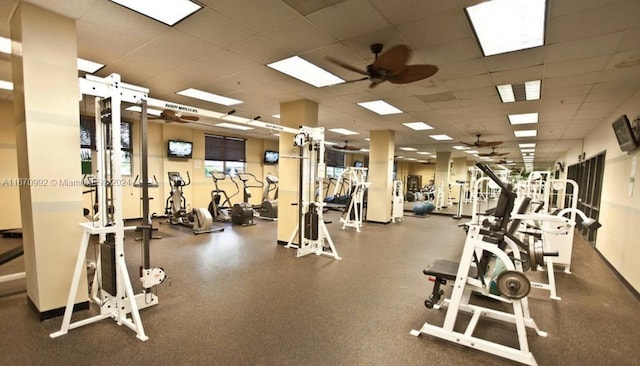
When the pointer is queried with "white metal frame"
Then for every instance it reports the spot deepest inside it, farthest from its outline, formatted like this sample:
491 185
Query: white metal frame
124 302
311 143
397 196
459 301
359 185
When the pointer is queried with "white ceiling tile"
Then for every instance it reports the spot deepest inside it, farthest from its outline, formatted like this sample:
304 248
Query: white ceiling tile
516 60
436 29
583 48
299 36
454 70
454 51
396 11
256 15
349 19
603 20
215 28
518 75
568 68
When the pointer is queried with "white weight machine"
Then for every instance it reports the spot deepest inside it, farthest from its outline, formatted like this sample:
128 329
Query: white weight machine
484 262
312 233
111 289
353 216
397 201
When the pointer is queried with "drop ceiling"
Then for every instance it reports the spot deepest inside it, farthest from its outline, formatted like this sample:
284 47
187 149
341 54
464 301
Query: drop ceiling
589 65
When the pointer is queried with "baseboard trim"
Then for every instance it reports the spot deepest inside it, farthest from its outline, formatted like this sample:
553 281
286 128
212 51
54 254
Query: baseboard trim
54 313
613 269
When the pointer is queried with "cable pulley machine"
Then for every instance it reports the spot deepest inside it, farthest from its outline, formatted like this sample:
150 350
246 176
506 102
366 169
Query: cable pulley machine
112 290
312 233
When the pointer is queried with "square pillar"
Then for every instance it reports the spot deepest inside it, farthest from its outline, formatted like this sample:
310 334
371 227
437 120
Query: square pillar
292 114
381 149
46 116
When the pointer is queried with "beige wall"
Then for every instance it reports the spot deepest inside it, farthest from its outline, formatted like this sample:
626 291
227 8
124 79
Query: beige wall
10 193
617 239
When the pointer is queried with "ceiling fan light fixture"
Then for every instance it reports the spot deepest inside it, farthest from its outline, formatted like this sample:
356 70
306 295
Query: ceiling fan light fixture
508 25
305 71
208 97
380 107
343 131
169 12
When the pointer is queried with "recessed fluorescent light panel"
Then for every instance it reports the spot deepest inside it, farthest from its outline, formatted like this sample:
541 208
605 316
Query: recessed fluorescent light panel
527 150
208 97
508 25
472 151
423 153
529 90
457 147
408 149
530 144
6 85
525 133
523 118
440 137
276 116
330 143
233 126
88 66
168 12
343 131
381 107
418 126
304 70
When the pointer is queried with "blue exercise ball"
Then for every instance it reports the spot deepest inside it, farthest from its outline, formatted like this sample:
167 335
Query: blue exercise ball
423 208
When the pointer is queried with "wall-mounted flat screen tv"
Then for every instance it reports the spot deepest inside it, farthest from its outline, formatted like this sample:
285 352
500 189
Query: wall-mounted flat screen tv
271 157
627 140
179 149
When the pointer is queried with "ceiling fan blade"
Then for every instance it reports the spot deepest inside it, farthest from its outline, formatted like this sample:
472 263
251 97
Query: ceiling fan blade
413 73
392 61
346 66
374 84
190 118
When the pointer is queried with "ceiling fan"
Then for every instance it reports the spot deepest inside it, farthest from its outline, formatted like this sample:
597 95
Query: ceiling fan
390 66
346 147
506 162
480 143
493 153
170 115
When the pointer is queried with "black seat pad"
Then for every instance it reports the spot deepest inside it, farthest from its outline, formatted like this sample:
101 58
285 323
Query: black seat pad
446 269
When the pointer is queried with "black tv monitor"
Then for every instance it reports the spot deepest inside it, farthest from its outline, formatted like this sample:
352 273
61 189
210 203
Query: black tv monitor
271 157
624 133
358 164
179 149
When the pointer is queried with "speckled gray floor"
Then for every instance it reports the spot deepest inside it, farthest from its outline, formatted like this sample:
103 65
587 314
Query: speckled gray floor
237 298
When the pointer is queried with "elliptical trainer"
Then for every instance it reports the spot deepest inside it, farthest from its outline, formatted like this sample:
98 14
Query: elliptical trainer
242 213
269 206
219 208
200 220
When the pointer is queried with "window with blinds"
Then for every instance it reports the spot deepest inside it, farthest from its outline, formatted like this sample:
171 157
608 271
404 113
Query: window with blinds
224 154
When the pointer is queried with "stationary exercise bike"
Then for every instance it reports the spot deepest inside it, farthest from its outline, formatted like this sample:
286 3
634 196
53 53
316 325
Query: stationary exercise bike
199 219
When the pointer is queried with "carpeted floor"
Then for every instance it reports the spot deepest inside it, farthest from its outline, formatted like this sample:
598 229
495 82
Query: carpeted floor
237 298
